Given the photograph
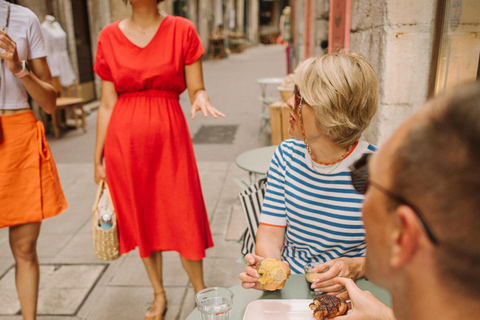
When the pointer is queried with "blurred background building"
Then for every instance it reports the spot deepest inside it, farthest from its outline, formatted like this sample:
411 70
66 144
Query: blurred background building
417 48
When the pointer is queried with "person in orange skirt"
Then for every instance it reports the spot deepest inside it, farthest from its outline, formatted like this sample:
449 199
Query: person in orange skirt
30 189
143 147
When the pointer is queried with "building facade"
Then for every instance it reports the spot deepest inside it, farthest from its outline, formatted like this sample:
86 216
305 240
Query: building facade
417 48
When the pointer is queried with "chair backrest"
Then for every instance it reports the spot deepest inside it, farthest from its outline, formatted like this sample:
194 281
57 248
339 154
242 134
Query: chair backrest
251 200
66 91
70 92
58 87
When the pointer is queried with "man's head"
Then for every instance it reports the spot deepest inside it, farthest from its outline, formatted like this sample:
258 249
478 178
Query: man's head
433 162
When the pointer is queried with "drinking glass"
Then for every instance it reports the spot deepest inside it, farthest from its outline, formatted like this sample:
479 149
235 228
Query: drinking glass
214 303
310 276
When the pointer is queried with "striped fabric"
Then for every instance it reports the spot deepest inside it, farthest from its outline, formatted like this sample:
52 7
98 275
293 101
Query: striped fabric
251 200
318 207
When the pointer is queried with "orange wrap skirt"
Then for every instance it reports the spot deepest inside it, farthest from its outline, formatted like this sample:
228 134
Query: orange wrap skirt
30 189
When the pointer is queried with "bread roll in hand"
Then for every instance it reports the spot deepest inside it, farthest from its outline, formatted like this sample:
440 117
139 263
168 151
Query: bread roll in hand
273 273
328 307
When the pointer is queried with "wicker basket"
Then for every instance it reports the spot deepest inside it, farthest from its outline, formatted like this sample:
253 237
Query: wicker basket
105 242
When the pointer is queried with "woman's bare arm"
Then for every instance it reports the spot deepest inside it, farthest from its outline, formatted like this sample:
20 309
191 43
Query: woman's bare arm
107 102
269 241
196 90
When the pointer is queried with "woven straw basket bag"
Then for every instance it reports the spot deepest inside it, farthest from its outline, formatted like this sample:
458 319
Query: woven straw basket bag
105 242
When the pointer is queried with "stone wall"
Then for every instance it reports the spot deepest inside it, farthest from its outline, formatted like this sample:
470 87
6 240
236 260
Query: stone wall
396 37
253 20
99 16
299 31
319 28
320 25
40 7
119 10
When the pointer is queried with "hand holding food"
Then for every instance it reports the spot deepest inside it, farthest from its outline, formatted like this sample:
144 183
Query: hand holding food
250 276
328 307
273 273
363 304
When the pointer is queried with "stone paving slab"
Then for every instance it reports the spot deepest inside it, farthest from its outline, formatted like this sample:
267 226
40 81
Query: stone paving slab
236 225
63 289
6 263
127 303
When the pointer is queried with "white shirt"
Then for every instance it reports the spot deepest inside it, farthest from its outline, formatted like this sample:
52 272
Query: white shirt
24 29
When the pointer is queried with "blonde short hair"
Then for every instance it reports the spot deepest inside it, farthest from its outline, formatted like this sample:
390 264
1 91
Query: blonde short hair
343 90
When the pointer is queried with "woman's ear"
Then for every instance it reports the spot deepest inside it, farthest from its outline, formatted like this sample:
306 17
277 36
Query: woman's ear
405 236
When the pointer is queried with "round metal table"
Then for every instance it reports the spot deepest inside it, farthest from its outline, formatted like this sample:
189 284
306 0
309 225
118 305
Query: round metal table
256 161
264 82
295 288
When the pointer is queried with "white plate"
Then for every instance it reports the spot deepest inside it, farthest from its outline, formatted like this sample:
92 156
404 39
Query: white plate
294 309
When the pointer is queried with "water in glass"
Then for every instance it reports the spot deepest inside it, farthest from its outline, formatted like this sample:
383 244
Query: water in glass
215 308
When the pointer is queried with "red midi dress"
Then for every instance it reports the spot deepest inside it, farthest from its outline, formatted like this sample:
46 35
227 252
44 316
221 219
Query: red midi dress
149 160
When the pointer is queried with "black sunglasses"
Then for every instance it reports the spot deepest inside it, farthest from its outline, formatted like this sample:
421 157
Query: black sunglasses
361 181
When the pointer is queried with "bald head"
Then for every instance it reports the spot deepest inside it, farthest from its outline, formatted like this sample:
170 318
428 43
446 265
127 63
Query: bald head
437 167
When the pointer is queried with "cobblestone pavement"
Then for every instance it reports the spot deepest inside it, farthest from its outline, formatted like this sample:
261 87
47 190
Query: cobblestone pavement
76 285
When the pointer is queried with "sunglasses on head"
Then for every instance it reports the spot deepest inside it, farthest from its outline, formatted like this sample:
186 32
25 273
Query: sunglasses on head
361 182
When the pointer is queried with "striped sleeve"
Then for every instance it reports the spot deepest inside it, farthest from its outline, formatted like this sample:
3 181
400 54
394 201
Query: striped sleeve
273 208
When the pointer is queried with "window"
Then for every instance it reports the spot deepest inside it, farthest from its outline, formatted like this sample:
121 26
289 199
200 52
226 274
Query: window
458 44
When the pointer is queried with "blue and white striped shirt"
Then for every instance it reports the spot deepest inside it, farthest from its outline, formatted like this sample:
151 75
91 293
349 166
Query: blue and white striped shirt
318 207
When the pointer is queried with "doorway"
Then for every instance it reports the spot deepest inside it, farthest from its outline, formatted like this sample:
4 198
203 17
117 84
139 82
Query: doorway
84 48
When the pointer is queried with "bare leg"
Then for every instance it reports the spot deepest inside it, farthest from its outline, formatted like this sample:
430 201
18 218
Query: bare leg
194 269
23 242
153 265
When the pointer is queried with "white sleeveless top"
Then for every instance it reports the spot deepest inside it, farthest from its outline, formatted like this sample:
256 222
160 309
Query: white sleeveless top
24 29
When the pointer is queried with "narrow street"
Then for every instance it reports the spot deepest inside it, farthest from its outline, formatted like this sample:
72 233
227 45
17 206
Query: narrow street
74 283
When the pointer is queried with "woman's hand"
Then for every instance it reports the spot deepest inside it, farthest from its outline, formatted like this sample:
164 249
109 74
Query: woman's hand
8 51
39 82
99 173
202 103
364 306
250 276
351 268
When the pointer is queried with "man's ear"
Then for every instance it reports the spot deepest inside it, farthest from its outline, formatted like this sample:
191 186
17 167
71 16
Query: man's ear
405 236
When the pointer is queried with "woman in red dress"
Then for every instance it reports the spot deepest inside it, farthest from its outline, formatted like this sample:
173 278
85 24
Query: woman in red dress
145 62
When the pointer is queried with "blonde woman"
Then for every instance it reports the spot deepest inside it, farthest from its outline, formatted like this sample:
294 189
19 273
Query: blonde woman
311 213
146 61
